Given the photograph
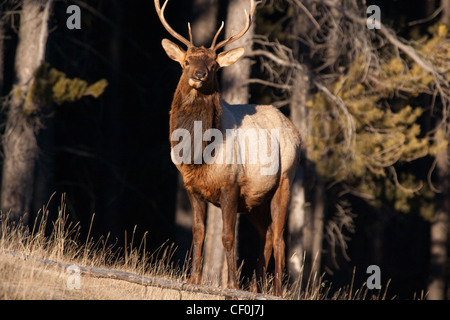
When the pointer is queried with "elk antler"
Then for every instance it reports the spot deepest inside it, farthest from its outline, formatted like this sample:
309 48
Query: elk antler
160 12
232 38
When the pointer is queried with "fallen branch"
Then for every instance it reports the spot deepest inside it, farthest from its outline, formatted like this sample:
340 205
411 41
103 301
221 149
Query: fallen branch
147 281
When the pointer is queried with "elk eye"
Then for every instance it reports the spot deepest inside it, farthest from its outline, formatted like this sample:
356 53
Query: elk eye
186 63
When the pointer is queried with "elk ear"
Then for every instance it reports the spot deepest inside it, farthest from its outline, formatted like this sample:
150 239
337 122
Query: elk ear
227 58
173 51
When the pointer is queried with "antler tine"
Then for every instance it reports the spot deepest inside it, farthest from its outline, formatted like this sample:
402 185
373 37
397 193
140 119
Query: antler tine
232 38
216 36
190 33
160 12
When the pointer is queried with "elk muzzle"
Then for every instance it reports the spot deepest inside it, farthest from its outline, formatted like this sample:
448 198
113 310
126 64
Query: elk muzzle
196 81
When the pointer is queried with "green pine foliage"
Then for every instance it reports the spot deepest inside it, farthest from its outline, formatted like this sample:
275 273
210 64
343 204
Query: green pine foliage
382 102
53 86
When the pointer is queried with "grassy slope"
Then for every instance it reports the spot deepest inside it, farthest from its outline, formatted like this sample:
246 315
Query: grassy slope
31 279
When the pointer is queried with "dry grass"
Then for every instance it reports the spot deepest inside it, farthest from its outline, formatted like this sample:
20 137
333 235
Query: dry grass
24 274
29 278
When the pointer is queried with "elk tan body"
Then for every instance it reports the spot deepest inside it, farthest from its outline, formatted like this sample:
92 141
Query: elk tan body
245 186
255 186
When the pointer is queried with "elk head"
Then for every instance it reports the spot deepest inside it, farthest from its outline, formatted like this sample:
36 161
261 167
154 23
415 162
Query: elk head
200 64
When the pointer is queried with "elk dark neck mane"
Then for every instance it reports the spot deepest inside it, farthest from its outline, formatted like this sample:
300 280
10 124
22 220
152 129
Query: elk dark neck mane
188 107
191 105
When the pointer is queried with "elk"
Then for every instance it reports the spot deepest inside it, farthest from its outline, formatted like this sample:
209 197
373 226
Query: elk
236 186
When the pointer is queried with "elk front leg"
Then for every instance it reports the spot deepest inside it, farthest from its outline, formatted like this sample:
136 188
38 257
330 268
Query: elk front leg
228 202
198 235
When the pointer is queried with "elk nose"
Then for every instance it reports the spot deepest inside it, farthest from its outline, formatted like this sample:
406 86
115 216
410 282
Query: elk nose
200 74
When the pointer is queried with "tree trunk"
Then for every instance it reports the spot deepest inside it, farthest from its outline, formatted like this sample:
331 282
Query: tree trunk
205 21
296 219
214 264
306 214
23 121
235 77
445 17
439 233
439 237
2 44
295 227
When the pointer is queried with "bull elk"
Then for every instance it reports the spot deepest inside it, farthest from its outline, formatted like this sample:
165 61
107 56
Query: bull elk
236 182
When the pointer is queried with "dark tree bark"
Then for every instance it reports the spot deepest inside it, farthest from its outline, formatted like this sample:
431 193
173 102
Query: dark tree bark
2 43
445 16
306 215
205 23
439 282
235 89
23 120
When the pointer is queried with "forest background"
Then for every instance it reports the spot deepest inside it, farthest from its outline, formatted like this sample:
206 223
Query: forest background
372 106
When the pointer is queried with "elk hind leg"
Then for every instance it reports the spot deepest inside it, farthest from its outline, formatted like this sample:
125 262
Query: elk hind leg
279 206
260 219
